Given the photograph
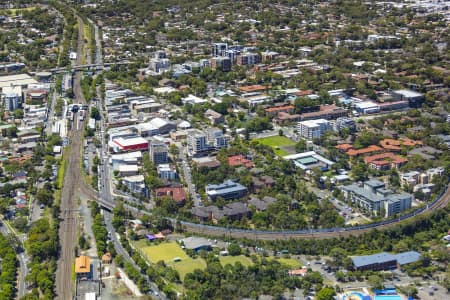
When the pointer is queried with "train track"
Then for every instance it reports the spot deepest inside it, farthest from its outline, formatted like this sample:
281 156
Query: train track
69 195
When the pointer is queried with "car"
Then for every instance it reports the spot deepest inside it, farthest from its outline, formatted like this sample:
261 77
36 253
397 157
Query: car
42 206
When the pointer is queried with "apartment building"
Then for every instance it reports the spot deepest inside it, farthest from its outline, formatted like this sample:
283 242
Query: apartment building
313 129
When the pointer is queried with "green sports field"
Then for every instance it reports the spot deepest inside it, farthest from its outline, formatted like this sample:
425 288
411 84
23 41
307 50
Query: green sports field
167 252
280 144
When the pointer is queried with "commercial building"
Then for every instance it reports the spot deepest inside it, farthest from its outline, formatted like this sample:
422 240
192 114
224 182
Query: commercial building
384 261
313 129
414 99
197 142
158 152
227 190
373 196
129 144
196 243
367 107
309 160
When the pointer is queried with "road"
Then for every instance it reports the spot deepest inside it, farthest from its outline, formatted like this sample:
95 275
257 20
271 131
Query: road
51 113
69 195
187 175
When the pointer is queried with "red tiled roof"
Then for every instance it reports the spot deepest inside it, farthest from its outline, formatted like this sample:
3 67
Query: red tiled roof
239 160
254 88
367 150
388 157
344 147
176 193
279 108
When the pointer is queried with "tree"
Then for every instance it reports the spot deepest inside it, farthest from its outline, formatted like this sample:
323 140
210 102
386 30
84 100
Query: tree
234 249
376 282
44 196
18 114
326 293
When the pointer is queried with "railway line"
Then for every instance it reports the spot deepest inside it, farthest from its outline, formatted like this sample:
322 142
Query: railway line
69 196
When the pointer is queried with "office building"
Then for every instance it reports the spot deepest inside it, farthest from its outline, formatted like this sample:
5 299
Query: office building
313 129
159 65
219 49
227 190
158 152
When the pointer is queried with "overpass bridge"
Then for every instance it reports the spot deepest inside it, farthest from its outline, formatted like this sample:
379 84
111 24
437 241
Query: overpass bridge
96 67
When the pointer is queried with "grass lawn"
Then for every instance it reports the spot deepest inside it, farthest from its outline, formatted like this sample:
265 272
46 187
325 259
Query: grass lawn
188 265
164 251
167 252
244 260
290 262
277 143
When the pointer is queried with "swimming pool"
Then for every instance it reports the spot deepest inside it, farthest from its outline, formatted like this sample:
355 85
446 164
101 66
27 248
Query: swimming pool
361 296
387 297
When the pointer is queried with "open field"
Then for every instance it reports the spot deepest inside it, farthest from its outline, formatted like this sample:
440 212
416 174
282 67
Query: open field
16 11
186 266
244 260
278 143
290 262
166 252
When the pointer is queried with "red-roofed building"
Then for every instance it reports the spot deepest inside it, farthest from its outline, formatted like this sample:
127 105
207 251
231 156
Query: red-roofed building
303 93
273 111
177 194
385 161
254 88
364 151
240 160
343 147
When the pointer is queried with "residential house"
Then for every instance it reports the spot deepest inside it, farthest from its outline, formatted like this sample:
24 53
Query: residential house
214 117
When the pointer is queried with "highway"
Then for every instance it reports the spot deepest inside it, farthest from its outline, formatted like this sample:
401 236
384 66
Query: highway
69 195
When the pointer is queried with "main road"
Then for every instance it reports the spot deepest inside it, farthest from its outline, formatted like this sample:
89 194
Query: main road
69 195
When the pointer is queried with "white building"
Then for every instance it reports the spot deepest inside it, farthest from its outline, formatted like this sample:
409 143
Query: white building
367 107
191 99
313 129
197 142
167 171
12 97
